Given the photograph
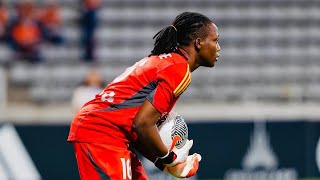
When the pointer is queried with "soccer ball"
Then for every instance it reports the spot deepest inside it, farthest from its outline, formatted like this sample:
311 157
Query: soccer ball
171 126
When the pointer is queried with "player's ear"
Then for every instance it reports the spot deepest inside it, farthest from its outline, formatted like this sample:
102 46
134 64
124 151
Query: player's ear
197 44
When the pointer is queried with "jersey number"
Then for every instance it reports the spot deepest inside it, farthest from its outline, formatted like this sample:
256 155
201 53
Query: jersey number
126 168
130 70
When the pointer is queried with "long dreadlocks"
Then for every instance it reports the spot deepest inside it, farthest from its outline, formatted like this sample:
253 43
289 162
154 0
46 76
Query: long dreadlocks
186 27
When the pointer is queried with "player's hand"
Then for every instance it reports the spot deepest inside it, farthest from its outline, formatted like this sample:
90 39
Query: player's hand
182 153
175 155
186 169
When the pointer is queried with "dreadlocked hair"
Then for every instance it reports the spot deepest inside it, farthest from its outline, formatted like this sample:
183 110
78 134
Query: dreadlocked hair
186 27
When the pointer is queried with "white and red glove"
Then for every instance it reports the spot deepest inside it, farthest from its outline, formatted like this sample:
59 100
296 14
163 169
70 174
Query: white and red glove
186 169
177 162
175 155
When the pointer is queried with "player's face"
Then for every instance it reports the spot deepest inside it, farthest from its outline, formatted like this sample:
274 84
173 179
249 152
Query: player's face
209 51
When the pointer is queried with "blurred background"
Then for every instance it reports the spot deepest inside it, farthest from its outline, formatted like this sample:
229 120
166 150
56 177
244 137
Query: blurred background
254 116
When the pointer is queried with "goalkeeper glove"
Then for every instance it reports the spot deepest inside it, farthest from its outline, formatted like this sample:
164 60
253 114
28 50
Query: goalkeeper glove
182 170
186 169
176 155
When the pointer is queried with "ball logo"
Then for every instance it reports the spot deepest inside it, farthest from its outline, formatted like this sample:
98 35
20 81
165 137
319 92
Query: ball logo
173 130
180 130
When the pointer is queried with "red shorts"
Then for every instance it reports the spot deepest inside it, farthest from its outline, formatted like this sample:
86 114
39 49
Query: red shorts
102 162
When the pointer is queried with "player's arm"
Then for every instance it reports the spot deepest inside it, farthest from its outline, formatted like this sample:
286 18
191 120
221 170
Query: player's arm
172 81
182 170
139 146
150 144
145 125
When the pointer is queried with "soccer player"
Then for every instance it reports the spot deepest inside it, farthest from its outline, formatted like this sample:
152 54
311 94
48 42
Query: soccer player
121 119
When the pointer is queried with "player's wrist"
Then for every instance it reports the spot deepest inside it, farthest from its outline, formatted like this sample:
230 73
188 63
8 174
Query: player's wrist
170 158
159 164
165 155
166 160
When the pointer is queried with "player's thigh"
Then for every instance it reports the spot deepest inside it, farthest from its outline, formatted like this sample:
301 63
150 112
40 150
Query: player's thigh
86 168
124 164
113 162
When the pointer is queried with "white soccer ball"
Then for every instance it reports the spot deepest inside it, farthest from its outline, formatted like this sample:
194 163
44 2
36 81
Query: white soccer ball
173 125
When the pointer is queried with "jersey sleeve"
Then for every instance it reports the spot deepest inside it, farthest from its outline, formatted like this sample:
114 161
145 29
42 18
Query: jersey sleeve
172 82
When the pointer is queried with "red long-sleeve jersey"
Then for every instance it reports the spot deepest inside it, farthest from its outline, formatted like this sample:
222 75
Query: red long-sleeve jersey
108 117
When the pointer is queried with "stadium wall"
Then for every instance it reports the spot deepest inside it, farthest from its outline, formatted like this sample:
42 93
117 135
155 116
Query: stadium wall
243 150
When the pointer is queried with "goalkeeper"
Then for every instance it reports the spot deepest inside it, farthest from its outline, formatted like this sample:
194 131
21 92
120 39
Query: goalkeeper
121 119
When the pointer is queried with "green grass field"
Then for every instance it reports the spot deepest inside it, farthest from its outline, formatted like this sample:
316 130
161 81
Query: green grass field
297 179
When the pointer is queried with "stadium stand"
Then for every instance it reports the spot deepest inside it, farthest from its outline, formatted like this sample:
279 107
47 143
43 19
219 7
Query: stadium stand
270 50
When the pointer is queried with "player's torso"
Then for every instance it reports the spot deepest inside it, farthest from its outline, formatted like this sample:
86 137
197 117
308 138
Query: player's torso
130 89
115 107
